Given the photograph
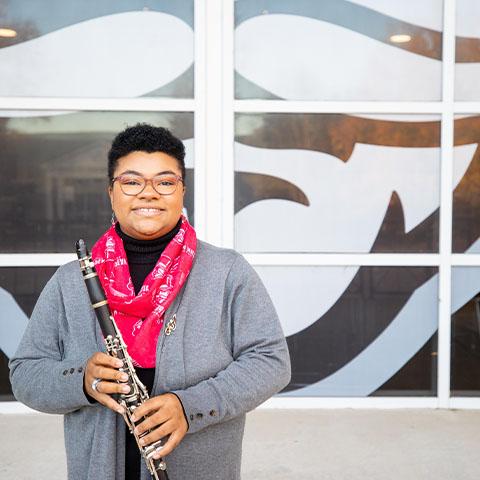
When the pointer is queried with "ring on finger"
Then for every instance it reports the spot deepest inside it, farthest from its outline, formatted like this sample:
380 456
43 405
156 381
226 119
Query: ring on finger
95 383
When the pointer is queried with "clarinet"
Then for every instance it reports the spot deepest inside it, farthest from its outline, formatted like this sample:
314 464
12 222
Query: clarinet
117 348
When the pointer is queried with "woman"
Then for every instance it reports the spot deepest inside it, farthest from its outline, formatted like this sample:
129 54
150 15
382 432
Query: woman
196 319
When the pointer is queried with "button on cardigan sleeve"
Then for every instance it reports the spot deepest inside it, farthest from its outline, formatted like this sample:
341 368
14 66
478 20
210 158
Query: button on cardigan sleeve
40 377
261 363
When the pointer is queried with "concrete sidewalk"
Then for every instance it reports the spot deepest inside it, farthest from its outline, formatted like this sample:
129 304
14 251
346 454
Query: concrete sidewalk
301 444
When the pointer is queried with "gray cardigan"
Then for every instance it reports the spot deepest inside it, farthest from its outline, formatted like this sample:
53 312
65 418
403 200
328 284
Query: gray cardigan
226 356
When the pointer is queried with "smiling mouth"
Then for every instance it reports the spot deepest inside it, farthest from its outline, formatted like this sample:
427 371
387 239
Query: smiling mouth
148 212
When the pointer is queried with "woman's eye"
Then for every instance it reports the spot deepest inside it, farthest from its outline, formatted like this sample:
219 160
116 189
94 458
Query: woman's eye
165 182
130 181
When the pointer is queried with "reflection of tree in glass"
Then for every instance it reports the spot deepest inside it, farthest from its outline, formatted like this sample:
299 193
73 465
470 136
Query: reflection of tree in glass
59 171
180 125
3 127
25 30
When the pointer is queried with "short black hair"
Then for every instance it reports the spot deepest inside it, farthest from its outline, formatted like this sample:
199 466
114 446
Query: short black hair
143 137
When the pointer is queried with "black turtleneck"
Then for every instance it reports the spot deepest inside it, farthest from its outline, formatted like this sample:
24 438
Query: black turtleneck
142 256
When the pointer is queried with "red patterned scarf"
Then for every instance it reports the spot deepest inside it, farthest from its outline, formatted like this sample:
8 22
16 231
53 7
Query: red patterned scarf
140 318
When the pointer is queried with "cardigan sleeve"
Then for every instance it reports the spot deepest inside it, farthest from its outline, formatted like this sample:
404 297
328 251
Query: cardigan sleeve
261 362
41 378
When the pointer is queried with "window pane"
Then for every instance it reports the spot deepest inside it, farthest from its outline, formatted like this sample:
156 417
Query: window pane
465 348
337 183
358 331
338 50
467 51
125 48
54 168
19 290
466 192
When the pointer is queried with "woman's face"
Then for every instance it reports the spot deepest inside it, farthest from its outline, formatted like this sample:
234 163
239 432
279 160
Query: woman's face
147 215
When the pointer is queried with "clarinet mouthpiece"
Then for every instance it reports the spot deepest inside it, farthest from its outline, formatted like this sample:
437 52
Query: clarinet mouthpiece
81 248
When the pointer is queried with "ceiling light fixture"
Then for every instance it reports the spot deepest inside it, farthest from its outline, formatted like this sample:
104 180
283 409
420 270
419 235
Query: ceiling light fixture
7 33
400 38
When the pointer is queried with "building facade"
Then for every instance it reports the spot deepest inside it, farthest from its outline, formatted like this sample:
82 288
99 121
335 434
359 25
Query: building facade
334 143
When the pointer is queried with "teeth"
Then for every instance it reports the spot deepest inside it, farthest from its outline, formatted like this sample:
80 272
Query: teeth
148 211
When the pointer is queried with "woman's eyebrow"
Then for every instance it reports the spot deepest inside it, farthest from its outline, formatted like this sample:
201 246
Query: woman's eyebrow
134 172
170 172
130 172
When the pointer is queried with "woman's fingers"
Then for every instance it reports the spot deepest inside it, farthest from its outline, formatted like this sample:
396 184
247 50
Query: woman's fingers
112 387
105 368
162 416
165 417
168 403
158 433
100 358
151 406
154 420
106 373
173 441
109 402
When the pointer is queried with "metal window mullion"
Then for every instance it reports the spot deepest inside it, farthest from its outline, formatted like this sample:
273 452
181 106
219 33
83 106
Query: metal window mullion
35 259
468 403
200 133
466 259
213 120
446 177
228 114
98 104
312 106
348 402
342 259
467 107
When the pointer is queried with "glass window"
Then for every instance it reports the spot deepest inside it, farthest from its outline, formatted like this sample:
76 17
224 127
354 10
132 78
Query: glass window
467 51
465 347
19 290
91 49
466 189
54 169
336 183
338 50
358 331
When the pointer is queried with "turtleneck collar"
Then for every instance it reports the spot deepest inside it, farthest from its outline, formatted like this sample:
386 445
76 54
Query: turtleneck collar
145 251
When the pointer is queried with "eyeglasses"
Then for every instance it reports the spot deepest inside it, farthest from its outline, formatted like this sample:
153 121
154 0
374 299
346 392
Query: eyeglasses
135 184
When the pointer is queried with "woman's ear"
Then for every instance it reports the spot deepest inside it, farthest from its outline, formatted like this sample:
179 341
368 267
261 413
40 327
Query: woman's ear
110 194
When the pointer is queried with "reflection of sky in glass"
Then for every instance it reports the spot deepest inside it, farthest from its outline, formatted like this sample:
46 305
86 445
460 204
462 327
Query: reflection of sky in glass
467 68
68 12
468 12
393 53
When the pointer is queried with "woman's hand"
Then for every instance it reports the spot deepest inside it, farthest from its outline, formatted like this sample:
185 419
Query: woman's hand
105 367
165 417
